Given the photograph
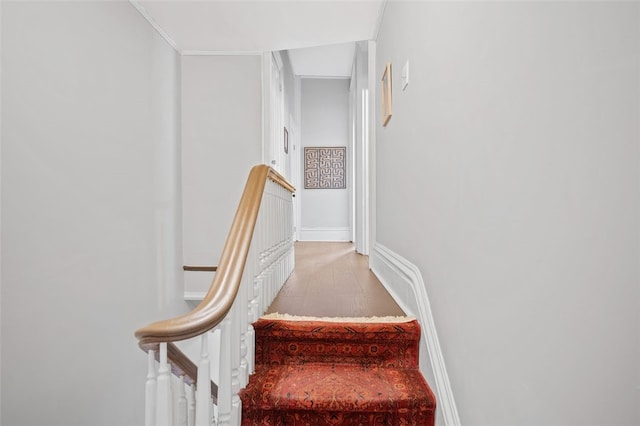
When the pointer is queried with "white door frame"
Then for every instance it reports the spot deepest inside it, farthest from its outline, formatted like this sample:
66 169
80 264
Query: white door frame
363 199
273 111
362 113
371 149
353 111
294 153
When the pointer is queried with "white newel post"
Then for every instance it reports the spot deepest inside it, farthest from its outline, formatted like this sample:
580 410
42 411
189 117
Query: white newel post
164 403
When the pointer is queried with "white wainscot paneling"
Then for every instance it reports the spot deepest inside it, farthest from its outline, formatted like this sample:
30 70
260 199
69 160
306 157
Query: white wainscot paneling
404 282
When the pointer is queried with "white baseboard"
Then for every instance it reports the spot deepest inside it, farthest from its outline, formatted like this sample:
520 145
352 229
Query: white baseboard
404 282
325 234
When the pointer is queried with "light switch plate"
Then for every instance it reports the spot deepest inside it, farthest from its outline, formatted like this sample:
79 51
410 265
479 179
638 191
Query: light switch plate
405 75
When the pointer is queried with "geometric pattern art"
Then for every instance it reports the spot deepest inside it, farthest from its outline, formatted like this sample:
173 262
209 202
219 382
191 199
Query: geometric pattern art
324 167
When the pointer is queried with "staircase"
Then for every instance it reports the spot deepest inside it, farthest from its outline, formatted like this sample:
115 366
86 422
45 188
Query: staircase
337 373
281 371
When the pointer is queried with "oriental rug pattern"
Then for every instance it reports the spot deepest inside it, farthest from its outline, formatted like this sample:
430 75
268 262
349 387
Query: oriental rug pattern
337 373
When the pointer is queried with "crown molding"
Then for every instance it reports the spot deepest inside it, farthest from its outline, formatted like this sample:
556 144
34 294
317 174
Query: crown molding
221 53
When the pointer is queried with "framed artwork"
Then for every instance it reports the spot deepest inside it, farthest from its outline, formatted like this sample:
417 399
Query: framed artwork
386 94
286 141
325 167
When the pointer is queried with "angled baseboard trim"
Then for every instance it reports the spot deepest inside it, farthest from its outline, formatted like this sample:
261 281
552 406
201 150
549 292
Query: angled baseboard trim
404 282
154 24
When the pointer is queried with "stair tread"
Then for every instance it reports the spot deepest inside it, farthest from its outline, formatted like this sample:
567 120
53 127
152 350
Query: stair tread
382 344
337 387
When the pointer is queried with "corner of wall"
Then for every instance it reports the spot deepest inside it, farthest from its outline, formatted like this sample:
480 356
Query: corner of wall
383 5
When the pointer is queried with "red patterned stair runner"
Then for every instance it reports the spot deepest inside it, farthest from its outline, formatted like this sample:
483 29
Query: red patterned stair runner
319 373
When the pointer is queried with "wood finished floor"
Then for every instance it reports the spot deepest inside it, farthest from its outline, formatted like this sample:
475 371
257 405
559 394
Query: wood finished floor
331 280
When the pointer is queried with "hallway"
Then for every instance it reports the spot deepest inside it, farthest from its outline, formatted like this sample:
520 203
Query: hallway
331 280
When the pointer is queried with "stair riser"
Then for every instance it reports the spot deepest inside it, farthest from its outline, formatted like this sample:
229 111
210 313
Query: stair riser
307 418
381 354
393 345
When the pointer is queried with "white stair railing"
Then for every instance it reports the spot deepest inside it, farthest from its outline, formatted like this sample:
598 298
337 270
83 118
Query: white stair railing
257 260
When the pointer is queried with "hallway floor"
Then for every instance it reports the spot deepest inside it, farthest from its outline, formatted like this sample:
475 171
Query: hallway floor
331 280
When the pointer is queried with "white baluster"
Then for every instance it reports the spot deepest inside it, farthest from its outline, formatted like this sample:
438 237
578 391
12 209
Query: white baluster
191 412
236 359
251 347
258 298
150 391
214 421
235 349
203 392
252 306
181 404
243 316
224 387
164 403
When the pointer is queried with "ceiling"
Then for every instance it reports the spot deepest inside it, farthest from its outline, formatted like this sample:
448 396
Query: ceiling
334 60
264 25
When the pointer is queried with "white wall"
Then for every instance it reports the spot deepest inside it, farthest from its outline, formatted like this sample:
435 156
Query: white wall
90 224
221 141
509 174
324 122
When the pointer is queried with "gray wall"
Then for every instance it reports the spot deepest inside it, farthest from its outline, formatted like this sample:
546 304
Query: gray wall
90 225
221 141
324 122
509 175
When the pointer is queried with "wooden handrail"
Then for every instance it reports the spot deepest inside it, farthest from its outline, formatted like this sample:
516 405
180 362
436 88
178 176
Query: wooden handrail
220 296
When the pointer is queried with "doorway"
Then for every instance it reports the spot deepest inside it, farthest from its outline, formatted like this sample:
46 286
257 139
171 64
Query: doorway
325 109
